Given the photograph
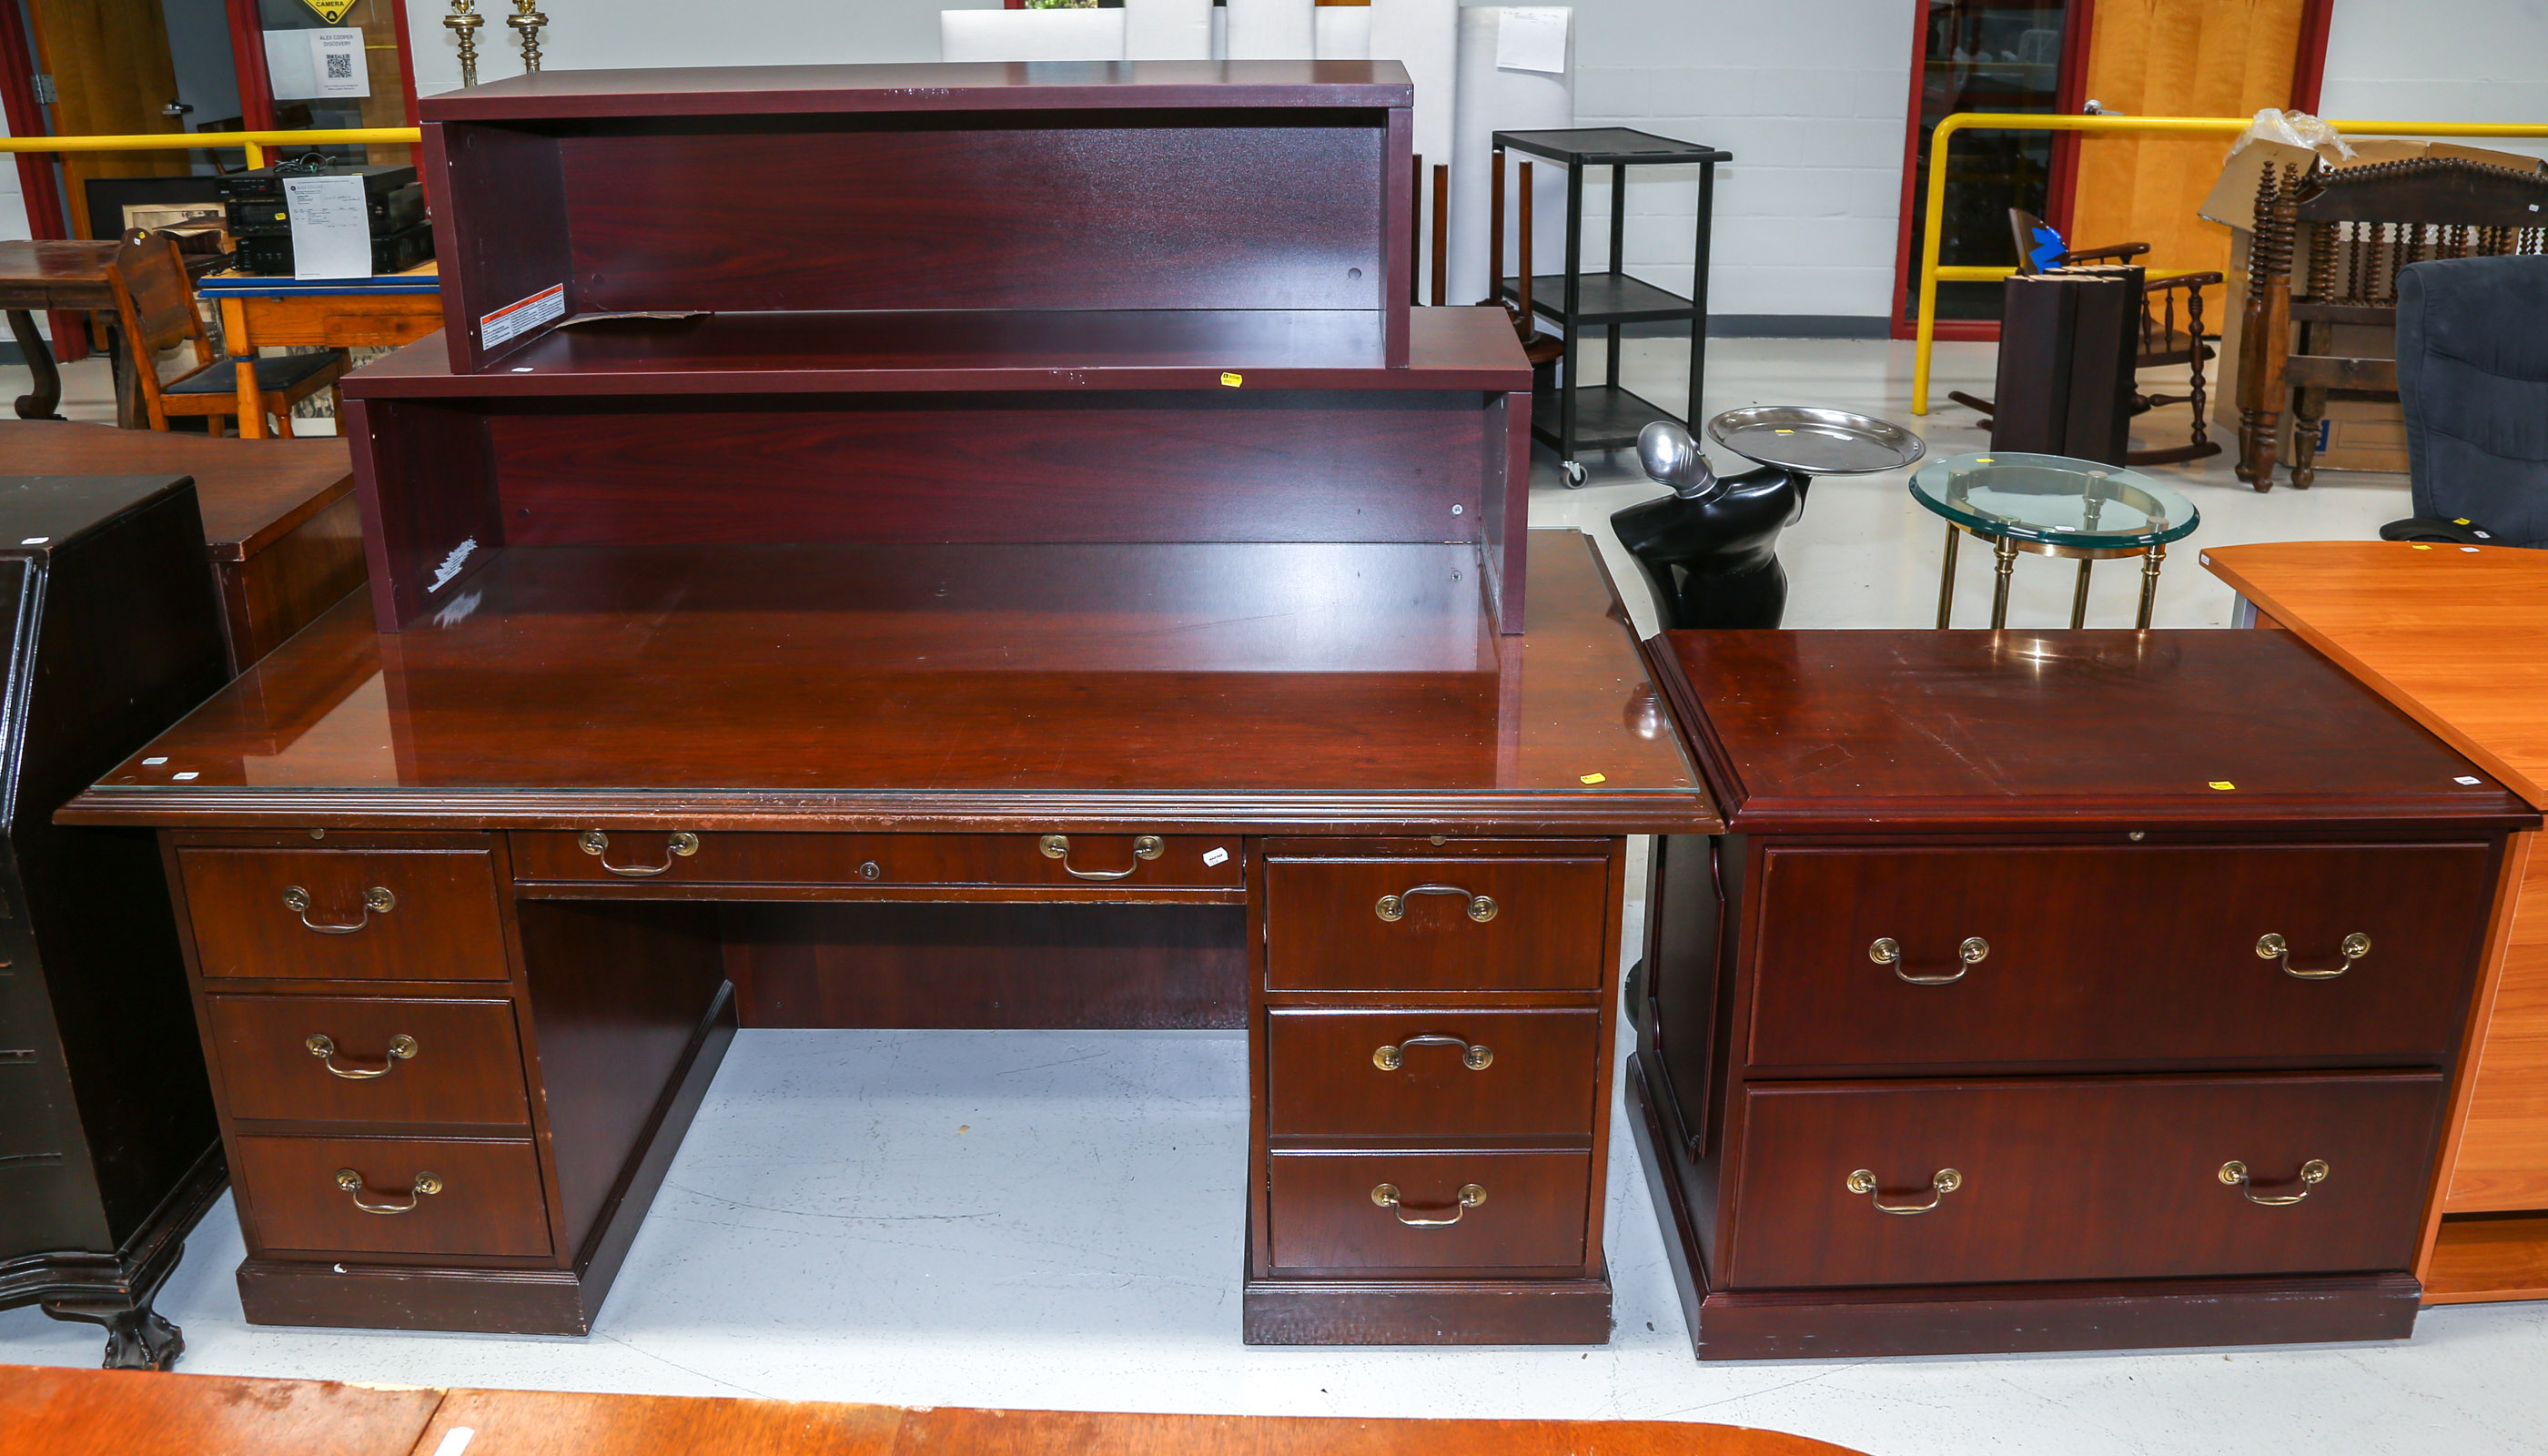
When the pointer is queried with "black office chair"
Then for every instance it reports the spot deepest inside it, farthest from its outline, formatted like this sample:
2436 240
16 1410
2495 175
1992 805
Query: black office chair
2473 377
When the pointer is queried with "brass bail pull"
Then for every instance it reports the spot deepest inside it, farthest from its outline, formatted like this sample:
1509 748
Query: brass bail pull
1145 847
1471 1195
1474 1057
679 845
1481 908
2313 1173
1944 1182
1889 952
323 1047
424 1186
2275 949
377 898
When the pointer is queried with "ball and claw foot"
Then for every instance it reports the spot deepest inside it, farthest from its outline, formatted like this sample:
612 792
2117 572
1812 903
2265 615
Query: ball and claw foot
143 1339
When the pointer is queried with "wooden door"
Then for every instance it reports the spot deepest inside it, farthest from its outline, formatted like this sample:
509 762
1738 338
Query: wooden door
108 61
2179 59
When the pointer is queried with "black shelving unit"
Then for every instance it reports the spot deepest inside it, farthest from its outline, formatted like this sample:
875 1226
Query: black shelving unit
1568 417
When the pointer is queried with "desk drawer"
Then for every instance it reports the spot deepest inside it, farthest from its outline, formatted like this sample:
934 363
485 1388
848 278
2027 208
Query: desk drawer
1324 1216
2092 1178
489 1202
1487 923
2118 955
1512 1073
1091 862
426 915
328 1058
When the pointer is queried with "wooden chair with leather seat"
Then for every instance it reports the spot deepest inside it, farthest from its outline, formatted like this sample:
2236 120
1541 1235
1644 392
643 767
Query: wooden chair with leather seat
2163 343
156 303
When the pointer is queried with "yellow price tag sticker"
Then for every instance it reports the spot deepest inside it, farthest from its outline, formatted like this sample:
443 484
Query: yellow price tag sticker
1596 778
1233 380
2224 785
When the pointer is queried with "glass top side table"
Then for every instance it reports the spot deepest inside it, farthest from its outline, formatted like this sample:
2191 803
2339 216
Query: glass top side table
2053 505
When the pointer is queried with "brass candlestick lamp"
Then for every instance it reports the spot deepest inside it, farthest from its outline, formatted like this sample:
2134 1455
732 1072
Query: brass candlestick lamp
463 22
527 20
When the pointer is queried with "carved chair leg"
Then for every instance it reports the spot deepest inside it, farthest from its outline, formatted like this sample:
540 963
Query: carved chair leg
2309 408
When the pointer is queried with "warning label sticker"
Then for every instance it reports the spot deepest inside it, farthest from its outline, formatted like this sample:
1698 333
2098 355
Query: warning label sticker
513 320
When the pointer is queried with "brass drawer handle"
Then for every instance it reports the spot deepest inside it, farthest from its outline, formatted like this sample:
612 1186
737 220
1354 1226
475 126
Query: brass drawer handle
1889 952
1471 1195
1057 847
1947 1181
2274 947
401 1048
2313 1173
1482 908
679 845
1474 1057
297 900
426 1185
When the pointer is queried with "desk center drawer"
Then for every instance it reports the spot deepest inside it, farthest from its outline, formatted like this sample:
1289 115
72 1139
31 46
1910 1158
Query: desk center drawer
1435 1073
2118 956
420 914
1058 860
380 1059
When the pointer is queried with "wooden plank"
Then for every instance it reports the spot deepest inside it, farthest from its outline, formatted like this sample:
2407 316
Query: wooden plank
73 1412
2482 1260
567 1423
2503 1155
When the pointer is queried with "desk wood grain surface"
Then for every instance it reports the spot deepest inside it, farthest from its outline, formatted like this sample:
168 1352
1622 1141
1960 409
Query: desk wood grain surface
94 1412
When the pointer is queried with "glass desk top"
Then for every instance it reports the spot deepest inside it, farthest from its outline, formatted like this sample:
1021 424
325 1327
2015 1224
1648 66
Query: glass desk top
2054 500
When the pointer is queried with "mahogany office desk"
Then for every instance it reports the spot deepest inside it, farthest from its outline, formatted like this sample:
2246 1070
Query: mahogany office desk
2459 640
473 908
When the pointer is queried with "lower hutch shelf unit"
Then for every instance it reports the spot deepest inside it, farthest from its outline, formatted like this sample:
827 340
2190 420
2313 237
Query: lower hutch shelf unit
2042 995
474 909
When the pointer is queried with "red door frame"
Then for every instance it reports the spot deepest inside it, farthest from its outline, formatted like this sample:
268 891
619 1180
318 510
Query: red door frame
256 86
38 185
2309 76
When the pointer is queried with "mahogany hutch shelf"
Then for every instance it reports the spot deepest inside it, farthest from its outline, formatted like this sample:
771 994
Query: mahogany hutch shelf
2140 1023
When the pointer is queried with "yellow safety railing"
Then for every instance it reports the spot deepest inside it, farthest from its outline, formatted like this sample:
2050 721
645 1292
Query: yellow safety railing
255 142
1931 272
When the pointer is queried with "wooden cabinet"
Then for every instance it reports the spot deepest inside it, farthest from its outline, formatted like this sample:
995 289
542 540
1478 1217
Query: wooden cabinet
2061 1018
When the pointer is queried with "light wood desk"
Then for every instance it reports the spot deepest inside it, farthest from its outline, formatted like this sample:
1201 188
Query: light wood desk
359 313
2457 638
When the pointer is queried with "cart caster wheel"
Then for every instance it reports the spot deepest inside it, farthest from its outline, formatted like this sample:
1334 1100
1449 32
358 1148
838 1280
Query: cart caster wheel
1573 471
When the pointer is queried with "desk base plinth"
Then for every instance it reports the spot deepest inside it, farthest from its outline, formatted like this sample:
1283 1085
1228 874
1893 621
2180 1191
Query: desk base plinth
1481 1312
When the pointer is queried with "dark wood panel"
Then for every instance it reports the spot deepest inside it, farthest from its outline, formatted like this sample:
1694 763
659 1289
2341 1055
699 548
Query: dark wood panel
1232 464
441 925
2125 955
466 1065
510 177
490 1205
1129 210
618 994
989 965
1322 1216
2080 1178
1324 929
883 861
1840 732
421 544
287 585
1540 1074
1426 1312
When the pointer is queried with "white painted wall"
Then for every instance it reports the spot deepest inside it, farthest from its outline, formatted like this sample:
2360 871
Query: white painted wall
2462 61
1809 96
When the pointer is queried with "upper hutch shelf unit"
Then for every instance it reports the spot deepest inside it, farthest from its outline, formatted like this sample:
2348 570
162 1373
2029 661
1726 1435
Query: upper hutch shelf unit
1262 187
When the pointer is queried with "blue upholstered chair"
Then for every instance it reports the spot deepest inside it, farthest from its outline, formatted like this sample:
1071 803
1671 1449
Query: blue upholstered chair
2473 375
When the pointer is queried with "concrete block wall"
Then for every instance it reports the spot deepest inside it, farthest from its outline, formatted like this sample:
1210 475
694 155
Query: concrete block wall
2465 61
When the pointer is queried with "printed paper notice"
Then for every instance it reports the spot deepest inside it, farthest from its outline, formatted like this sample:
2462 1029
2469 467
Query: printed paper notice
515 319
336 62
332 233
1533 38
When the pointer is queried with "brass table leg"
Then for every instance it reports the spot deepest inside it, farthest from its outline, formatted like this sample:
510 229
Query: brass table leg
2005 554
2150 582
2079 597
1947 580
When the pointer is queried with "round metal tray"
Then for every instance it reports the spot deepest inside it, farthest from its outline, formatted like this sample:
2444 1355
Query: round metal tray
1815 441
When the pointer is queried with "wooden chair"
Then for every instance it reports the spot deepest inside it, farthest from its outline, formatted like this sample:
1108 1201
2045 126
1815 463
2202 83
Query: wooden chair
2163 343
156 300
1543 350
2355 227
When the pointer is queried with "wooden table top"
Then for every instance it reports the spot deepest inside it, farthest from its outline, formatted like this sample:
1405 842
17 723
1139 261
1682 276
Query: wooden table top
52 1409
2456 636
57 275
1880 731
252 491
1317 688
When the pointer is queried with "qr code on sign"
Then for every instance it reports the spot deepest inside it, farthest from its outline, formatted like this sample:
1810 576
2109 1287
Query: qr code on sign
340 66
